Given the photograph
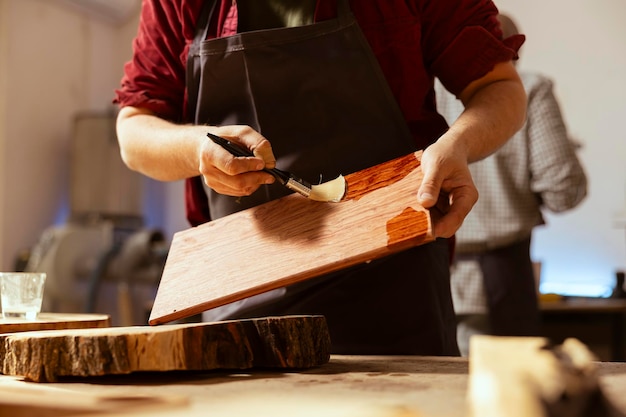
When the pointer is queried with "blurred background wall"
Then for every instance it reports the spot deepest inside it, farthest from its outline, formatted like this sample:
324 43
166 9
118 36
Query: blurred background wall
59 59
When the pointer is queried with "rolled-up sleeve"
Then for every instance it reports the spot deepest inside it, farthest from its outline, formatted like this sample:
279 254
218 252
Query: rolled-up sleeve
476 51
466 44
154 78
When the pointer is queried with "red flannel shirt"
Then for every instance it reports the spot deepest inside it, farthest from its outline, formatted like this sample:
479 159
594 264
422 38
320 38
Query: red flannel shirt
457 41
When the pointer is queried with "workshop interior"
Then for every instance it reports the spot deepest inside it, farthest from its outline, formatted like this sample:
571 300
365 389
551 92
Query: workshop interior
102 234
97 223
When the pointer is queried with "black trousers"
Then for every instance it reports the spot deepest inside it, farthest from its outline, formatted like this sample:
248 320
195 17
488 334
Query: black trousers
510 289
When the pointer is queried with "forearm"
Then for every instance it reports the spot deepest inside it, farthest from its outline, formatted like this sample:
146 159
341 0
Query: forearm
157 148
494 111
166 151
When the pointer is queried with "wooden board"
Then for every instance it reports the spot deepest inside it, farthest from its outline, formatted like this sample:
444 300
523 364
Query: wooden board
270 342
293 239
55 321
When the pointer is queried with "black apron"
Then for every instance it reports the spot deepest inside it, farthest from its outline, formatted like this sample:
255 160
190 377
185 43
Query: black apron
317 94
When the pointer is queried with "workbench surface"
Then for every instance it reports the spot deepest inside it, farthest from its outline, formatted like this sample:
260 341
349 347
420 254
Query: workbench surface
377 386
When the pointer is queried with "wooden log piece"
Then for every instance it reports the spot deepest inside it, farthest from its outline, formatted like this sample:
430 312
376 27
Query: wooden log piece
270 342
293 239
526 376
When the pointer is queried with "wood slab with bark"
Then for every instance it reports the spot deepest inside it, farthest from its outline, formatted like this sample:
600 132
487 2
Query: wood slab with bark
289 342
293 239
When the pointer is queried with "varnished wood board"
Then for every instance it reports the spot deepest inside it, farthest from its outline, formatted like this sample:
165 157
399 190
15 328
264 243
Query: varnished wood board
269 342
55 321
293 239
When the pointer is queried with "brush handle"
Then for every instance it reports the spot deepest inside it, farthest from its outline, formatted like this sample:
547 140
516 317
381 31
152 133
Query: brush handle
237 150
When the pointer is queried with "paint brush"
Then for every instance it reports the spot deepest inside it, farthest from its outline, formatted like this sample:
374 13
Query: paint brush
330 191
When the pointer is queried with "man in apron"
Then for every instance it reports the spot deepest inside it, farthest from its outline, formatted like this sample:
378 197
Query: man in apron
306 93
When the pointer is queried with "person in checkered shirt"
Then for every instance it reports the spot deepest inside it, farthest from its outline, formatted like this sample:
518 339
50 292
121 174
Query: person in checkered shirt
493 283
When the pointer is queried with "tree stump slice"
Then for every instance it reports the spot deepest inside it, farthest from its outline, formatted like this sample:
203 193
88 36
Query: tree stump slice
290 342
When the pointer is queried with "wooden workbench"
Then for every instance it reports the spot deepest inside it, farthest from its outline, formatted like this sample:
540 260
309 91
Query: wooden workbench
599 322
363 386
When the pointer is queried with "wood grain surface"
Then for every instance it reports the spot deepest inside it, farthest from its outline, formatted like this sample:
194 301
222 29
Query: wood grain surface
269 342
293 239
55 321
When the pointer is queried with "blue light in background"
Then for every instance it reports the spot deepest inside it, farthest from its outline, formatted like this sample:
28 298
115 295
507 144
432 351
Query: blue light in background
577 278
572 268
153 203
572 289
63 210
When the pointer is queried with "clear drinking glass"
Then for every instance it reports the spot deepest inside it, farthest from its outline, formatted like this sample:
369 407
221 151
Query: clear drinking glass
21 294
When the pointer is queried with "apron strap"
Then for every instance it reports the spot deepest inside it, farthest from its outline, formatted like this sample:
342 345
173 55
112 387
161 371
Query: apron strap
344 13
196 201
193 65
202 26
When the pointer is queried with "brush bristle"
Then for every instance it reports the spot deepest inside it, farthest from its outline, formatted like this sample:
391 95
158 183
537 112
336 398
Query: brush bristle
330 191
